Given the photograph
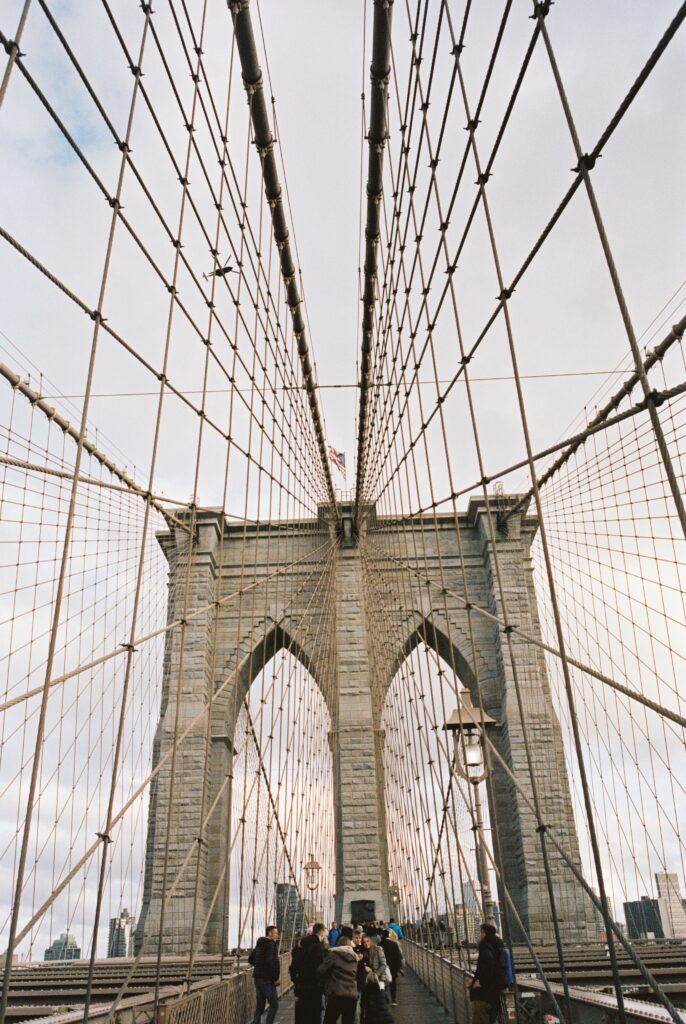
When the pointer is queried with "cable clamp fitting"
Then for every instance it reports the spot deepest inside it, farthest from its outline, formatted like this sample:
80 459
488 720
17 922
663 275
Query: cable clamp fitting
586 163
12 49
114 204
505 294
541 8
542 829
252 87
104 836
509 628
483 178
135 70
129 647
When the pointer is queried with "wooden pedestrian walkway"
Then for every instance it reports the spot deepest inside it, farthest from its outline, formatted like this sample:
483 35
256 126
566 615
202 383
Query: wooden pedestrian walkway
416 1005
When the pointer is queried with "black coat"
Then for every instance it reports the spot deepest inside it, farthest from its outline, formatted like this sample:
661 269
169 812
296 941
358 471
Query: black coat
394 957
265 960
376 1008
306 958
488 972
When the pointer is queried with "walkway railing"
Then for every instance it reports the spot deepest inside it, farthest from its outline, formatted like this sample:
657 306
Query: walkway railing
229 1000
447 980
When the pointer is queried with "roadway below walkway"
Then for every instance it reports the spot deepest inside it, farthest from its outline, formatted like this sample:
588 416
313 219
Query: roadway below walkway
416 1005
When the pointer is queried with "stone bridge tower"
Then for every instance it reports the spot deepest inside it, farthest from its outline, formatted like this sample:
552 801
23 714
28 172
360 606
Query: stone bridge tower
224 657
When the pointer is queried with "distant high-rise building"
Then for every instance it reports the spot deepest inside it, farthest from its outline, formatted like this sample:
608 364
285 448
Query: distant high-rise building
64 948
600 921
290 910
672 908
643 919
120 942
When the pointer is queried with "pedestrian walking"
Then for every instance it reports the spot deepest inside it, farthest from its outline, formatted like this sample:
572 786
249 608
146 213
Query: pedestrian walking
266 965
489 981
393 926
307 988
338 974
394 959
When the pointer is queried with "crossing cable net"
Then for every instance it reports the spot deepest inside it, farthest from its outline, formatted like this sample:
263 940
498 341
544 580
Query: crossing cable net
155 258
465 271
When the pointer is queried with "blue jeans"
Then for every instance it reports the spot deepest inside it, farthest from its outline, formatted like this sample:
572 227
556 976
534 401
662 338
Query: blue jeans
266 993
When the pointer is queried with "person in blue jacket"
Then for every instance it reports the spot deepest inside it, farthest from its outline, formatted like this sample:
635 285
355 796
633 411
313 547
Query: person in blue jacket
334 934
394 927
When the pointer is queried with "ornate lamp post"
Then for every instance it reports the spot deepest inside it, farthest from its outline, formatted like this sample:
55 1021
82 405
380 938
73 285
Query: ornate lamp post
312 870
466 723
394 893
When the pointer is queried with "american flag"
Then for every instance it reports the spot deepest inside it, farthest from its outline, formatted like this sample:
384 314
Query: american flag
338 459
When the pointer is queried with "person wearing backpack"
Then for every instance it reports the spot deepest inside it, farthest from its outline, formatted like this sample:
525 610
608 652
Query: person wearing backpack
489 981
266 965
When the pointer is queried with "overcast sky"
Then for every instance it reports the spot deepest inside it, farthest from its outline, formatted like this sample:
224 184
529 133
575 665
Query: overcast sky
565 316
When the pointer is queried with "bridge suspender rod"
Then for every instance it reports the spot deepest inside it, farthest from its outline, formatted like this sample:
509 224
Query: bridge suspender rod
264 141
376 136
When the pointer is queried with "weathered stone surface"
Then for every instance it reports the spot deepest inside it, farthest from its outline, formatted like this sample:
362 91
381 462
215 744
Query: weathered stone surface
213 659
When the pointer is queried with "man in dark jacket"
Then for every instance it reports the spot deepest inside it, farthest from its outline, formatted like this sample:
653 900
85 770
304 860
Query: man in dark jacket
266 969
306 985
486 986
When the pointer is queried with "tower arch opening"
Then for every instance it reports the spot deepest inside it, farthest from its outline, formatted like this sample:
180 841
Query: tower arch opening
435 883
282 813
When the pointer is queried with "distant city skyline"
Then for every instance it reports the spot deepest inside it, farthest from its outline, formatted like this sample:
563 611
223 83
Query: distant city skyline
63 948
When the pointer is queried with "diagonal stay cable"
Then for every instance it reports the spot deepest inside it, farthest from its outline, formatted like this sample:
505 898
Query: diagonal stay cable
527 638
